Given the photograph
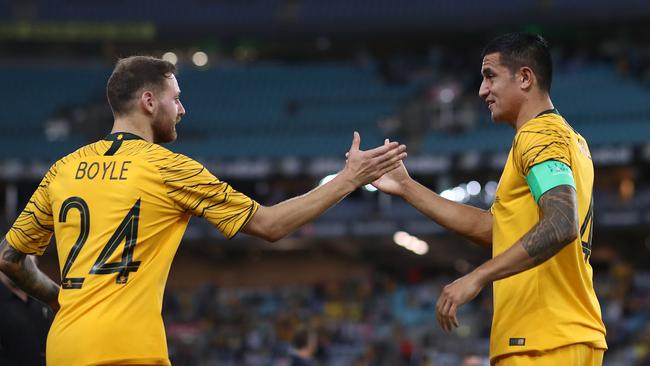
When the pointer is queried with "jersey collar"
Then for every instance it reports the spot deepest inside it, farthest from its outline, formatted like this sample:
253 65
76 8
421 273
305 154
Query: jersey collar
548 111
120 136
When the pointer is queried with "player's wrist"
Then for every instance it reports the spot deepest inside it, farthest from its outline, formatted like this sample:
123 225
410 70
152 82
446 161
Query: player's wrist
408 189
481 276
348 181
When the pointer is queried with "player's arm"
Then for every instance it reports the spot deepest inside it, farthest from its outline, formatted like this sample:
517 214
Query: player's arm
362 167
557 227
556 195
27 276
470 222
473 223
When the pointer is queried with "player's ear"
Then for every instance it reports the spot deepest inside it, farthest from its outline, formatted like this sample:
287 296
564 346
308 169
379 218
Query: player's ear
147 101
526 77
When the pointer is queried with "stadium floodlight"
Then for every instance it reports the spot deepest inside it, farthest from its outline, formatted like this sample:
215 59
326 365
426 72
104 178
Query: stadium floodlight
200 58
446 95
448 194
490 191
456 194
473 188
400 237
410 242
460 194
491 187
326 179
170 57
421 248
370 188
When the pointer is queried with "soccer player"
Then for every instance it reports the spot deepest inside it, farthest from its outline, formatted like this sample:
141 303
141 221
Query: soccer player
539 226
119 207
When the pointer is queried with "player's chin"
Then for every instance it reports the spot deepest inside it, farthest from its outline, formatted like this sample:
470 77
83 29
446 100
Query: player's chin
168 136
172 135
496 116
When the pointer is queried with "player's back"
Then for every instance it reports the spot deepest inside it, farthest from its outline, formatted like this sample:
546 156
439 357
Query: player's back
119 208
117 231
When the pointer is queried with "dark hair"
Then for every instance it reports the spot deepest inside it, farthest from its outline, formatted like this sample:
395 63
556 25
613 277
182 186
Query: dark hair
132 74
524 49
302 337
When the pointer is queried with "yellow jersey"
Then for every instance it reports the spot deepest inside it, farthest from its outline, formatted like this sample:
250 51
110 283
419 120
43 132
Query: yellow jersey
119 208
553 304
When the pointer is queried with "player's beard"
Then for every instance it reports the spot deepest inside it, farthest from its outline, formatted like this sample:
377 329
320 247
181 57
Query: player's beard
164 128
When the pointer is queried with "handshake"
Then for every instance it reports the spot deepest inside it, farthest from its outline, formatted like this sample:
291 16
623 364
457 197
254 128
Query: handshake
382 166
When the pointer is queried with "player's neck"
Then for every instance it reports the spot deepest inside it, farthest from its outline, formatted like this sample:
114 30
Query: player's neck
531 108
134 125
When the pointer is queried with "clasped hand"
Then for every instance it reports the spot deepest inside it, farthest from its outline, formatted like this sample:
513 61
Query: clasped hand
367 166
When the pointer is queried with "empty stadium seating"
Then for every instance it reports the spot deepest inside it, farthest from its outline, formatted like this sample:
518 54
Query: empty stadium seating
306 110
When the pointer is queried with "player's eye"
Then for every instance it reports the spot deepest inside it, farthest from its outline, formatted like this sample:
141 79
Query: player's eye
488 73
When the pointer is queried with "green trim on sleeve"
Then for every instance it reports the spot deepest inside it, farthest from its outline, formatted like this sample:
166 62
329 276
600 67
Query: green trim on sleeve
548 175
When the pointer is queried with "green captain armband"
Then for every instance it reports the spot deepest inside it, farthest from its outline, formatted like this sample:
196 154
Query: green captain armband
548 175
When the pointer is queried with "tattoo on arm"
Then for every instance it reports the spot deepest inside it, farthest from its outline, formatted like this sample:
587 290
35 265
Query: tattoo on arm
557 227
26 275
9 254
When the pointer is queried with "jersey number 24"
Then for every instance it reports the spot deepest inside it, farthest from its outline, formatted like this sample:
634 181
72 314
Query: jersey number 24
127 230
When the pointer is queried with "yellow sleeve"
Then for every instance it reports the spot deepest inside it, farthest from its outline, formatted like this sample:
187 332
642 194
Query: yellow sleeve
31 232
540 142
192 187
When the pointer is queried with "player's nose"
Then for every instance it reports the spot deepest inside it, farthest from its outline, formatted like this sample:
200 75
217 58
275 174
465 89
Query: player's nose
483 90
181 109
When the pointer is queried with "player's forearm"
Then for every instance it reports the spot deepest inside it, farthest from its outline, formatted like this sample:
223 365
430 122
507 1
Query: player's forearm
26 275
557 228
283 218
512 261
533 249
470 222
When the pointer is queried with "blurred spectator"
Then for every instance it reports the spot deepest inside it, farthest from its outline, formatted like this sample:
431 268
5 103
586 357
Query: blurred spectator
24 323
304 345
472 359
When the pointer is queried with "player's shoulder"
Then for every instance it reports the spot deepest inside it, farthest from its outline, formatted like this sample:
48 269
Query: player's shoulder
163 157
545 127
160 157
546 122
93 149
